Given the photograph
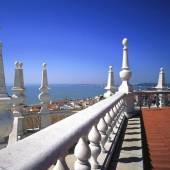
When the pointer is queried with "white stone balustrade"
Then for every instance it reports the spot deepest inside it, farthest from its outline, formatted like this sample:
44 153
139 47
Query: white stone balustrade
42 149
152 98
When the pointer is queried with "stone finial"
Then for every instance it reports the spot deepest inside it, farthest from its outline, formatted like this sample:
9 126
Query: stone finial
3 91
44 80
125 64
161 80
18 89
110 84
1 45
19 79
125 73
44 98
6 118
18 98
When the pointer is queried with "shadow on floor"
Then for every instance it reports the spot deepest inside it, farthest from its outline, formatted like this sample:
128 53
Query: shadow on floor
133 133
130 159
133 128
131 148
132 140
115 158
134 124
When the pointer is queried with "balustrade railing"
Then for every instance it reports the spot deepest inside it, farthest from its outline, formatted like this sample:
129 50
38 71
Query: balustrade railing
91 131
152 98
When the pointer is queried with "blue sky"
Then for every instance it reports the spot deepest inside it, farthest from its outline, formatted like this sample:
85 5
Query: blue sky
79 39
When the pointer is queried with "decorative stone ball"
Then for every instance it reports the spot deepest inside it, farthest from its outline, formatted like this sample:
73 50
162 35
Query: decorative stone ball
125 42
161 69
125 75
44 65
110 67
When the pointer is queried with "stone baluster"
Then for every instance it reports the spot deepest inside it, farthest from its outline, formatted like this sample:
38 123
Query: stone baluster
162 100
94 138
82 153
166 99
61 164
120 112
108 121
102 127
157 100
6 117
45 99
116 113
115 116
121 106
118 108
112 115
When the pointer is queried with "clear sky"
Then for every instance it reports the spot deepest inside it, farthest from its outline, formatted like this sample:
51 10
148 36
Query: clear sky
79 39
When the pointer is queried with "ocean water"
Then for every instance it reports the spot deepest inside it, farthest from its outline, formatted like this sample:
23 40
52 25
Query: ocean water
70 91
62 91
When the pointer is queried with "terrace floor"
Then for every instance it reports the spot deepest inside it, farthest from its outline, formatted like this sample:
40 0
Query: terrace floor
145 143
156 124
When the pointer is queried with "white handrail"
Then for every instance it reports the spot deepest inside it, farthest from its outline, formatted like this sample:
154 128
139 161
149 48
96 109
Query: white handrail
42 149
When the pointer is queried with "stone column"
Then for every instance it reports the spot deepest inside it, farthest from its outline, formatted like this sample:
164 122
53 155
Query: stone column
125 75
6 117
18 90
110 84
45 119
18 98
161 87
161 80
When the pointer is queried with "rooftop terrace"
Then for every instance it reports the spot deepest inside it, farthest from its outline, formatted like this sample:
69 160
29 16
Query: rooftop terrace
125 129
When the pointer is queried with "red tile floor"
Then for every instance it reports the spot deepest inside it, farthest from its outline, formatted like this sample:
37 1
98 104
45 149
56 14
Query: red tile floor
156 123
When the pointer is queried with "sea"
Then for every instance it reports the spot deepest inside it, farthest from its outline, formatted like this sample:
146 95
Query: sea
62 91
70 91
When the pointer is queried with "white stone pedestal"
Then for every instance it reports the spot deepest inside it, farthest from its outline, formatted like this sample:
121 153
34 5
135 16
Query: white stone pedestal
17 131
125 75
129 99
